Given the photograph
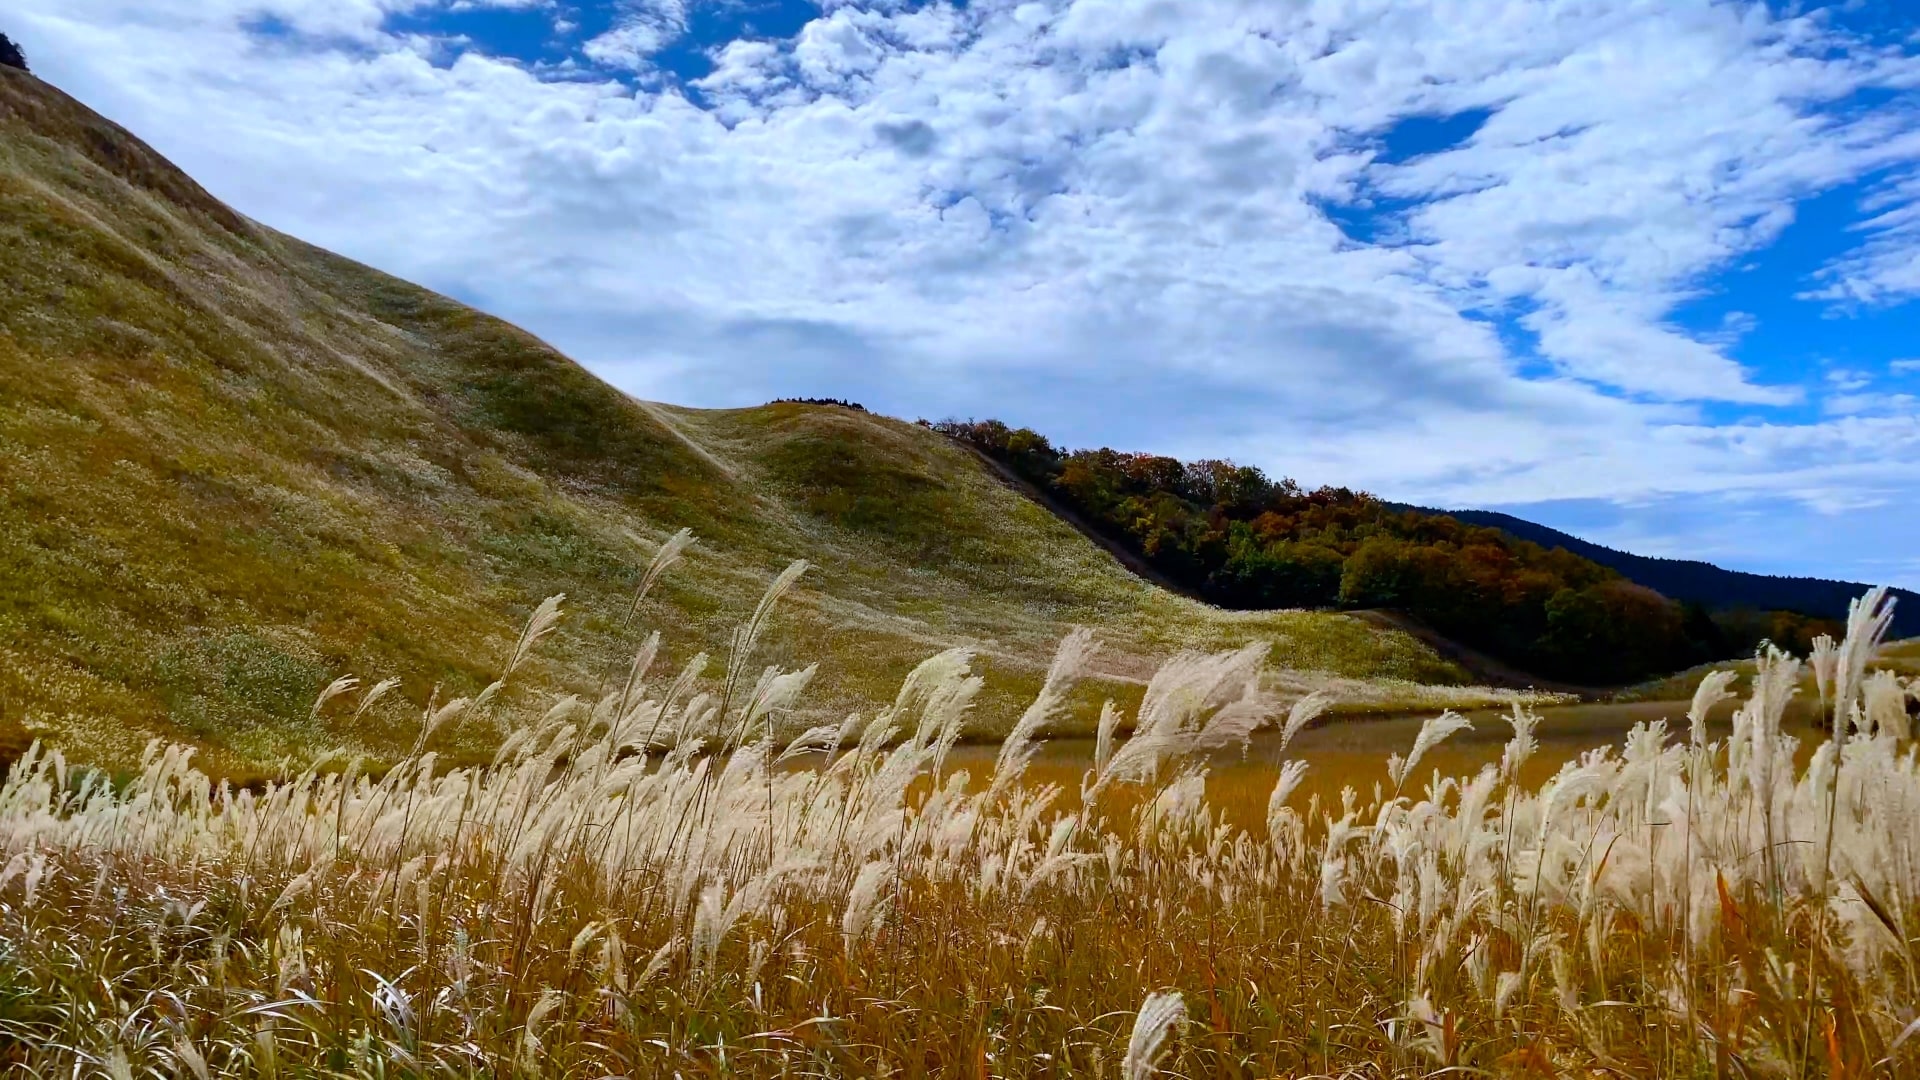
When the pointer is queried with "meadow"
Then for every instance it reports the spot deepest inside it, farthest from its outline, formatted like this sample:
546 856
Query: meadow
658 881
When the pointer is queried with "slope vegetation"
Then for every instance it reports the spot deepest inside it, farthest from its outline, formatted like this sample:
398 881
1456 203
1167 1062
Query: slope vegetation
1694 582
233 466
1231 535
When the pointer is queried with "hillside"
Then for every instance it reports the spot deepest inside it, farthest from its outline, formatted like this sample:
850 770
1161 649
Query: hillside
1695 582
233 466
1230 535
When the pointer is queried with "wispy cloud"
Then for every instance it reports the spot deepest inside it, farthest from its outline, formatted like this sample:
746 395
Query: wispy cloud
1885 269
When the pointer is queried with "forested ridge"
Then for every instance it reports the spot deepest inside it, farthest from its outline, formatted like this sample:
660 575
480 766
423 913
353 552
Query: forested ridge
1241 539
1746 598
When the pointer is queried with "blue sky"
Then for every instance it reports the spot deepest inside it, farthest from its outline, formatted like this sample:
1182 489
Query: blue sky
1645 271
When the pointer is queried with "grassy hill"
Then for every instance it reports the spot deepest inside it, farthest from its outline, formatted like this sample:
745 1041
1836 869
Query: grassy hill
233 466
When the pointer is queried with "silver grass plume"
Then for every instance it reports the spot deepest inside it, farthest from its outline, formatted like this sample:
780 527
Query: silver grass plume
929 689
1711 692
1304 711
748 635
1522 745
1159 1015
776 691
1291 774
820 739
1177 696
663 559
1103 736
1825 662
1774 679
1333 860
436 718
672 700
636 676
1886 706
1433 732
1867 621
668 553
374 696
865 901
539 625
1240 715
343 684
1016 752
944 715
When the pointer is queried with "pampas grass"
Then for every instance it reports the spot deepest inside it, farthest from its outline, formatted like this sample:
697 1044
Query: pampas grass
1161 1015
651 884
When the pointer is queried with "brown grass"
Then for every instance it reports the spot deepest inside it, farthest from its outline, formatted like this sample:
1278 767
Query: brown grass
585 906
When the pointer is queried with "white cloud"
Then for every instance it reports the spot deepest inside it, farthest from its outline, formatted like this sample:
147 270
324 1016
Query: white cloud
1617 170
1847 380
1108 218
1858 404
498 5
1886 268
831 49
641 28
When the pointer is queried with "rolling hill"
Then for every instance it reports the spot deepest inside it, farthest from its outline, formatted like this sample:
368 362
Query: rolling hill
234 466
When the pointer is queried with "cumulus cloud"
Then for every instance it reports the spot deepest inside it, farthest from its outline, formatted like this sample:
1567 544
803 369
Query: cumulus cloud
834 48
1157 225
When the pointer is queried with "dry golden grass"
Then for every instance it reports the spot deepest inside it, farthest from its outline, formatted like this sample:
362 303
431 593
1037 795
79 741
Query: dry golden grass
651 884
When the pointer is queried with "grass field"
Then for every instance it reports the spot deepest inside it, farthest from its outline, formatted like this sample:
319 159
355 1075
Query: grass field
234 467
653 884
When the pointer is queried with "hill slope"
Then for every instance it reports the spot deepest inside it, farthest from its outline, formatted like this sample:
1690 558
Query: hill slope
1695 582
1231 535
233 466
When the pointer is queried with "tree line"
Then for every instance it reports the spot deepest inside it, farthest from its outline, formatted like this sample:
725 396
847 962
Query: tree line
854 405
1240 539
10 54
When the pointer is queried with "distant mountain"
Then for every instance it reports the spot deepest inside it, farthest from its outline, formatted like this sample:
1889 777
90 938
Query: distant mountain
1695 582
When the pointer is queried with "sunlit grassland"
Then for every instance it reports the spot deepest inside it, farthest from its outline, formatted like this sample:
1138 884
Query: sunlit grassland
233 465
655 882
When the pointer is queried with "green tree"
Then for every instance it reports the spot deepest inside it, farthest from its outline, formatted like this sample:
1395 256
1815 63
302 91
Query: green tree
1613 631
1244 540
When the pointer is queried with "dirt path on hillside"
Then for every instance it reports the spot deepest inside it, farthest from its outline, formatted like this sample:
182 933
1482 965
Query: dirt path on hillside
1133 562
